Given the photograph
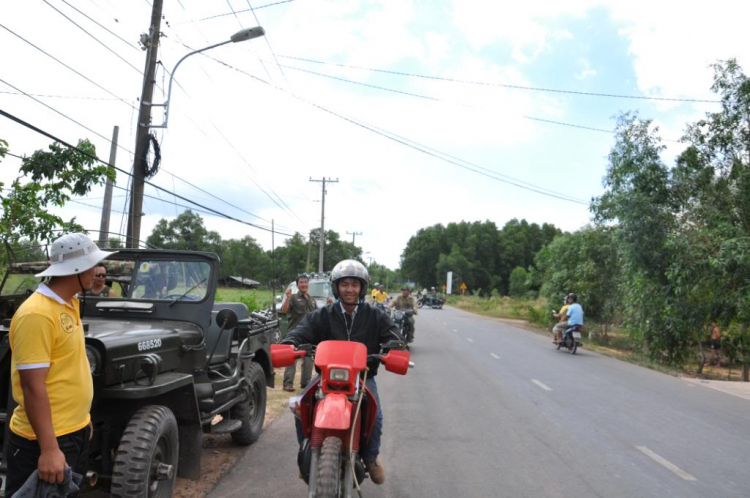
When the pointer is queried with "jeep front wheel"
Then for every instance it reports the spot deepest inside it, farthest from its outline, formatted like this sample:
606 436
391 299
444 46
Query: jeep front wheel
252 411
146 459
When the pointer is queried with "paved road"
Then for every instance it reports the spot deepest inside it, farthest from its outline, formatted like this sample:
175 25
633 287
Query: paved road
494 411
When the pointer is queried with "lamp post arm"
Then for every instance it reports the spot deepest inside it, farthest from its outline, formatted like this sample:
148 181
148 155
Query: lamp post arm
171 79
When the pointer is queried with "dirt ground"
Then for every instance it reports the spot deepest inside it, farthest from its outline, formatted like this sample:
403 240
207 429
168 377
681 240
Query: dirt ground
219 453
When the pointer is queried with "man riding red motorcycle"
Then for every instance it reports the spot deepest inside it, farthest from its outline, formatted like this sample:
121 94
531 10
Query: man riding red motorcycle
352 320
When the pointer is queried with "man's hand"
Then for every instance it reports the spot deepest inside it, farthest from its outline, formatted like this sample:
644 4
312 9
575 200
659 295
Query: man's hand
51 466
288 292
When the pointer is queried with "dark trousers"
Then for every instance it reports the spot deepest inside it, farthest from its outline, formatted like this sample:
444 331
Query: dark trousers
23 457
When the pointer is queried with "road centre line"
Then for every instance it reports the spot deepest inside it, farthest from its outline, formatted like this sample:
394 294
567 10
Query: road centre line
666 463
495 356
469 339
540 384
454 330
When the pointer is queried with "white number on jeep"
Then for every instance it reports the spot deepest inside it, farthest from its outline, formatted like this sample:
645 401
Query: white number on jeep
150 344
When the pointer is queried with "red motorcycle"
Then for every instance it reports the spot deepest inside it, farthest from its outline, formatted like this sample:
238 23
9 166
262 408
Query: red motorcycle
337 412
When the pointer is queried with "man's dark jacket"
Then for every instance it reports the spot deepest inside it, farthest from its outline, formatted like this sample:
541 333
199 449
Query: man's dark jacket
372 327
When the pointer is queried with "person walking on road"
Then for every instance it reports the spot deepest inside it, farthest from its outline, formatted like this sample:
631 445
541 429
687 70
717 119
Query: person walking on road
715 343
51 378
298 305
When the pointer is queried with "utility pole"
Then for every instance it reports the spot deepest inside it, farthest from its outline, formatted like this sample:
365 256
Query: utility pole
354 235
309 247
322 219
107 204
273 265
144 120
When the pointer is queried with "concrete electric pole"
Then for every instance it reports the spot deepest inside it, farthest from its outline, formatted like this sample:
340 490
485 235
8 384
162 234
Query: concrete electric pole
322 220
144 119
107 204
354 235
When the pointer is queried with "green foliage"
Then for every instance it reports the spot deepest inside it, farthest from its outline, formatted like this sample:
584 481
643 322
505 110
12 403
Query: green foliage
519 283
585 262
48 179
478 253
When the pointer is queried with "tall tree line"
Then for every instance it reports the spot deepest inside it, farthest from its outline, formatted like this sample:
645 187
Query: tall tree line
670 248
478 253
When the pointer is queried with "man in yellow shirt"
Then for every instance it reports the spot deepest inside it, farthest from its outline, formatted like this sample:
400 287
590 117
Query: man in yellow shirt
561 325
50 428
378 295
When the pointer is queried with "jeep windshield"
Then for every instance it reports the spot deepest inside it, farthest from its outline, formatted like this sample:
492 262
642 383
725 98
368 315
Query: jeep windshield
321 291
162 280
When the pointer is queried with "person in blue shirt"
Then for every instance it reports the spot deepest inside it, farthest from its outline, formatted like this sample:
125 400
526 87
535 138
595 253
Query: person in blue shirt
574 312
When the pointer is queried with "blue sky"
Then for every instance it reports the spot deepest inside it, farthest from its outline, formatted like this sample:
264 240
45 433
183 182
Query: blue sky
233 135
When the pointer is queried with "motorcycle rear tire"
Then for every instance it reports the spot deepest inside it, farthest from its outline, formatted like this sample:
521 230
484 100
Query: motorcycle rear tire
575 347
329 469
420 304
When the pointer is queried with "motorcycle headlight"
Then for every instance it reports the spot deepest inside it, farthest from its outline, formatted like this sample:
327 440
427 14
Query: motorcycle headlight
398 315
95 358
339 375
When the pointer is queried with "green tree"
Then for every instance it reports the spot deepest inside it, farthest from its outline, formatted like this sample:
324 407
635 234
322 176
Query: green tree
519 284
48 179
186 232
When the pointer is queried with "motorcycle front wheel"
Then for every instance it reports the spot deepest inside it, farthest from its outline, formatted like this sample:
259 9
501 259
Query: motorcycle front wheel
420 304
329 469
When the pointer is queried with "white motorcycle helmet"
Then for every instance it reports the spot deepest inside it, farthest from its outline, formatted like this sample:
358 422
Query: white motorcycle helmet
350 268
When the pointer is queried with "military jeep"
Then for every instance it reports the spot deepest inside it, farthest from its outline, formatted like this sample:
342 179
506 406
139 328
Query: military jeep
168 363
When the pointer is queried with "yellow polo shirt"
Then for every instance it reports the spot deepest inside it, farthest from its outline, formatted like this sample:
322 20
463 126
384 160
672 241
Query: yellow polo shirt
46 332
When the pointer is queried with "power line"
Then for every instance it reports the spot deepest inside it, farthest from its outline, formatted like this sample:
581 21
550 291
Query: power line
129 151
101 25
94 37
57 96
52 137
268 42
501 85
235 12
411 144
435 99
243 27
67 66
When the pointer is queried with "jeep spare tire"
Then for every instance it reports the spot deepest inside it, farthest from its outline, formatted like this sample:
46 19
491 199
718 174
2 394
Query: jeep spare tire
146 459
252 411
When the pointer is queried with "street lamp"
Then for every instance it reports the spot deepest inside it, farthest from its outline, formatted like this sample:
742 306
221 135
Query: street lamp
239 36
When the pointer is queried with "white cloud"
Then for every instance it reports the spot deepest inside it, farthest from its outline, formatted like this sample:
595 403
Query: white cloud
586 70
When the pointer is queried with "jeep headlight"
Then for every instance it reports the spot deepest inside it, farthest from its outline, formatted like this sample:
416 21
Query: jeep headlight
339 375
95 358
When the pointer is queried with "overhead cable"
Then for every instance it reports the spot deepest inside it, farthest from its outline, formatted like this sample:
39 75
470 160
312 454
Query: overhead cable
235 12
68 67
501 85
81 151
131 152
435 99
410 144
94 37
101 26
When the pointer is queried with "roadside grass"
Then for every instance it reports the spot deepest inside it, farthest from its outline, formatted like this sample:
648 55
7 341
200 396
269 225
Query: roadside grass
537 316
254 299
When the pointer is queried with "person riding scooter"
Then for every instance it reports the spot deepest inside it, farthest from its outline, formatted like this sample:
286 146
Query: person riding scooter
574 314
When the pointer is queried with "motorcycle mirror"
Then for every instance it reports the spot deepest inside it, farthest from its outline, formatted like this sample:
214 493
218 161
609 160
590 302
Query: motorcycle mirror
226 319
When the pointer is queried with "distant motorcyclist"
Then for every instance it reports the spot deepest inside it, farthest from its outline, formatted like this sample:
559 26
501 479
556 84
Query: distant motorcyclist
432 296
562 323
379 296
574 313
405 302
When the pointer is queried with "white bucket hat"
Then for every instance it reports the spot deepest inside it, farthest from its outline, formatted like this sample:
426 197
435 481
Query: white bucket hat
71 254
